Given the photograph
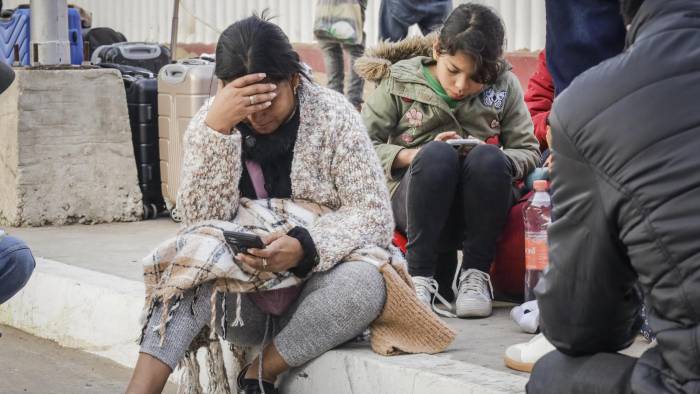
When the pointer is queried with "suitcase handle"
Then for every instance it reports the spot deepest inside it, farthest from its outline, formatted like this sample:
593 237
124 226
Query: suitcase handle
95 58
194 62
129 70
140 51
173 73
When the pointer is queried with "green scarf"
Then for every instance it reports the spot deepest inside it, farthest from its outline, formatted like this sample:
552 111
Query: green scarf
438 89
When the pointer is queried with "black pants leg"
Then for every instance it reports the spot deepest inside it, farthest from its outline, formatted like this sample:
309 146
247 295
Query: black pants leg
443 201
487 193
607 373
423 201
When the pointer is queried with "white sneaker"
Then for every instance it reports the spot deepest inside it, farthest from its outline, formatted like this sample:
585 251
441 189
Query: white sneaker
474 294
527 316
523 356
427 293
425 288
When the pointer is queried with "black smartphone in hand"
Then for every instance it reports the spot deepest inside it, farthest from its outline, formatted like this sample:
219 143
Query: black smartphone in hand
241 242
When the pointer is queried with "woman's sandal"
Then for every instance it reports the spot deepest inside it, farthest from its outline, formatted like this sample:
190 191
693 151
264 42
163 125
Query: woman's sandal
252 386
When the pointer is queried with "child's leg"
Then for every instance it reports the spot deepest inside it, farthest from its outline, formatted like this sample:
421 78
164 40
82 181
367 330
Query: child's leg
423 201
487 194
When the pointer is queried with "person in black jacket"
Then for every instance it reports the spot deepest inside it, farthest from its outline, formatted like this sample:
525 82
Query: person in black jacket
626 180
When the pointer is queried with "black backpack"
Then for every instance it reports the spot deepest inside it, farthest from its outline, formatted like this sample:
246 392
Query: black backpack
99 36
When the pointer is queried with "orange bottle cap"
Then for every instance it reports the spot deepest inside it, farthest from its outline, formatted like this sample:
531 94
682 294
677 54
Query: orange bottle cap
540 185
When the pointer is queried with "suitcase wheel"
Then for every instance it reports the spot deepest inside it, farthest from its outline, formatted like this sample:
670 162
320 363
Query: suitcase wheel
175 215
150 211
154 210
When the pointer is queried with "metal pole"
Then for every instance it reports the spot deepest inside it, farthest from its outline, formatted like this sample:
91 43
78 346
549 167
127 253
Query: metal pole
49 32
173 29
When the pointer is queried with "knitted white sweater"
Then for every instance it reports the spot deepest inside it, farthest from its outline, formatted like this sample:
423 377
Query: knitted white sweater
334 165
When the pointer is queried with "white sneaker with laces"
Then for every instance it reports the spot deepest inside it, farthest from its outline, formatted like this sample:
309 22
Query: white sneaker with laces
474 294
424 288
427 293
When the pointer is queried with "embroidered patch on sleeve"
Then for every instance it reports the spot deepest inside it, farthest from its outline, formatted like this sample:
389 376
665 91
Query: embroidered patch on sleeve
492 98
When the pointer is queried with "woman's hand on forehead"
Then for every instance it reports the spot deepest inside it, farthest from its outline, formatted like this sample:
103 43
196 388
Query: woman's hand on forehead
236 100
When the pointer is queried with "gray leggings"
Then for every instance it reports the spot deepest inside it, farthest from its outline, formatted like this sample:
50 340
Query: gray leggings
333 308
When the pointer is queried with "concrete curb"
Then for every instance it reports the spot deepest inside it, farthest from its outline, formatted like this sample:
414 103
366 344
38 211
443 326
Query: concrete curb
100 313
355 369
79 308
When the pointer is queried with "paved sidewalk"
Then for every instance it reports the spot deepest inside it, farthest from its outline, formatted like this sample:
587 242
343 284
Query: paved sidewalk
116 249
111 248
81 268
35 365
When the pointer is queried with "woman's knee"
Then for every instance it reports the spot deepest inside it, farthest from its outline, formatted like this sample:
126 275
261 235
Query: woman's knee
436 160
487 160
362 290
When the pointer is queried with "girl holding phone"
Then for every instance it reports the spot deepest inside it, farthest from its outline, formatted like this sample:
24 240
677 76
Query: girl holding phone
442 199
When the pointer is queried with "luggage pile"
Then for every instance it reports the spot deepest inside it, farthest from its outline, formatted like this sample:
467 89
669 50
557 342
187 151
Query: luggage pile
141 100
161 97
139 64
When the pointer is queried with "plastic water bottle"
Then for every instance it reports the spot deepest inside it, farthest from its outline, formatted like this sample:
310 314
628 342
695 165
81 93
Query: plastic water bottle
537 216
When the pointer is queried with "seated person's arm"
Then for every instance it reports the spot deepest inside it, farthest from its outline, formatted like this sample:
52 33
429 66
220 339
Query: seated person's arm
211 167
517 137
404 158
381 113
539 98
587 299
364 217
211 170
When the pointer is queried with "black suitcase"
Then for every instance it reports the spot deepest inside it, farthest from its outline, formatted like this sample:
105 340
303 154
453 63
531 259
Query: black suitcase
138 54
142 100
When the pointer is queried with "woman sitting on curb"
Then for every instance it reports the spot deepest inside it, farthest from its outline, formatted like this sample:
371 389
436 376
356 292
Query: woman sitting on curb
324 216
442 196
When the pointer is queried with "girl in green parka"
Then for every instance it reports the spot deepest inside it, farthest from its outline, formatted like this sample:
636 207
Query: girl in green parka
442 196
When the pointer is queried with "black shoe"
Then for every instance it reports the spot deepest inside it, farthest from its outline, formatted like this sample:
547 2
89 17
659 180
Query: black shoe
252 386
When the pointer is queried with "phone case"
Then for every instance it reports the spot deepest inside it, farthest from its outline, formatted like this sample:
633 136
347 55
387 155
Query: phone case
242 241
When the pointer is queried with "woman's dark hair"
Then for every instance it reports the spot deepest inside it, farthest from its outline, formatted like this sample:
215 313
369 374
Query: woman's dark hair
256 45
477 31
629 9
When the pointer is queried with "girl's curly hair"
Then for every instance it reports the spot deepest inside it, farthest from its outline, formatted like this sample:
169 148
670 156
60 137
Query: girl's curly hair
477 31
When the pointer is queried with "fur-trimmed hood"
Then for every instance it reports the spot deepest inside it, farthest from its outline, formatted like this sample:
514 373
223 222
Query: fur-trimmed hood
375 64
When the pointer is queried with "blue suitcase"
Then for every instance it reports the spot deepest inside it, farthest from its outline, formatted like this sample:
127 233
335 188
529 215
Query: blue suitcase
15 30
75 36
